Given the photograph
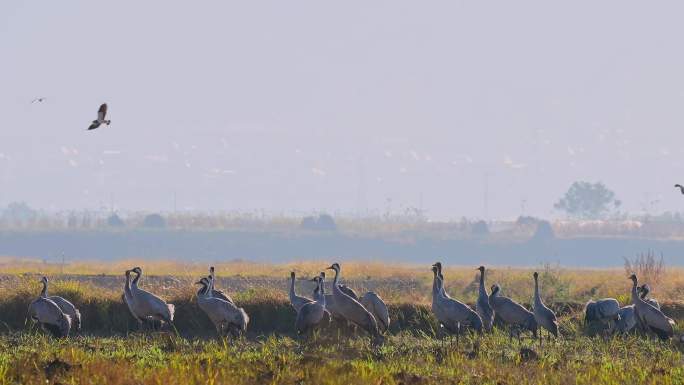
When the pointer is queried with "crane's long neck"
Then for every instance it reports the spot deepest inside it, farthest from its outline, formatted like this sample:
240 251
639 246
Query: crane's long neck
292 288
440 282
435 287
127 286
335 280
211 281
321 287
43 293
537 298
483 290
134 284
203 290
495 292
635 293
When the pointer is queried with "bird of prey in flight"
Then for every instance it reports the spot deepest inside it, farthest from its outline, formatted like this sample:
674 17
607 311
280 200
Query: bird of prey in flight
101 113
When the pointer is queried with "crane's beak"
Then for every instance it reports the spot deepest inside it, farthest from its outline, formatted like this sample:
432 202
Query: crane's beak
330 268
199 283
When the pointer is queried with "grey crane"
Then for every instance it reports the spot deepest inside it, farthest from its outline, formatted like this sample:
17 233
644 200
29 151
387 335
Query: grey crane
645 290
147 305
512 313
226 316
313 313
296 301
352 310
214 292
49 316
650 317
482 306
319 294
101 114
544 316
628 319
128 299
330 304
67 307
377 307
605 311
451 313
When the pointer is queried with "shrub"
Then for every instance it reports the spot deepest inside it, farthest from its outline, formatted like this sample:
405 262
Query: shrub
154 221
544 232
115 221
324 222
647 267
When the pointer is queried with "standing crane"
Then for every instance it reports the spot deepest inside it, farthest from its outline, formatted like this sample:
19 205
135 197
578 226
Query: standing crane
147 305
483 307
544 316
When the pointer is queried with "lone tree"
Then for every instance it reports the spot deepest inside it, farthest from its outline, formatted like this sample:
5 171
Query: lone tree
587 200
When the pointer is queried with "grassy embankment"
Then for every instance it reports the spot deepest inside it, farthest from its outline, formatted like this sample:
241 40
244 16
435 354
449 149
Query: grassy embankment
270 353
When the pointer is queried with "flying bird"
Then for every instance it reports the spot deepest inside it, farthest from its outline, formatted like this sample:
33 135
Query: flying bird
38 100
101 113
680 187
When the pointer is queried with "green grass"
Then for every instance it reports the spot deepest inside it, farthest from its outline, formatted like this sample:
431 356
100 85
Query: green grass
404 359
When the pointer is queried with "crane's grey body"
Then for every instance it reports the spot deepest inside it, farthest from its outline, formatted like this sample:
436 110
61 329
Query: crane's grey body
544 316
47 313
482 306
226 317
64 305
452 314
650 317
512 313
377 307
217 293
628 319
147 305
606 311
312 313
330 304
352 310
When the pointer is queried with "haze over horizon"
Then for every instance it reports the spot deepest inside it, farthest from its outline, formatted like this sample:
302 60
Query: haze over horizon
301 106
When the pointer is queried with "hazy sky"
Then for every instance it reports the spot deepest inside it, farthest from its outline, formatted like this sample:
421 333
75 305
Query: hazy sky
293 106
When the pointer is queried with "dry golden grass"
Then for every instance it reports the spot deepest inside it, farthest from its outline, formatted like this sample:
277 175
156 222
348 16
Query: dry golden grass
396 283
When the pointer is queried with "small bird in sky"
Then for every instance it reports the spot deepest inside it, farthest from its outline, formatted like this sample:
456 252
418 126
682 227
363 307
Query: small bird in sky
38 100
680 187
101 113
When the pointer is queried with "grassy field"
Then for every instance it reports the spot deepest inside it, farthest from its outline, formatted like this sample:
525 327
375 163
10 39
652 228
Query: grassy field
108 351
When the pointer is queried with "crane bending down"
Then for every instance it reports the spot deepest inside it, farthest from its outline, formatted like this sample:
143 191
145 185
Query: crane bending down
65 306
50 317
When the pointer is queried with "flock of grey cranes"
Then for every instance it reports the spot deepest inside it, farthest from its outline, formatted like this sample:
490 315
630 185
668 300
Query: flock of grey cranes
369 312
